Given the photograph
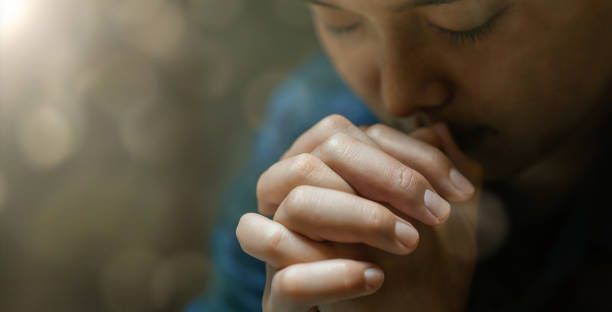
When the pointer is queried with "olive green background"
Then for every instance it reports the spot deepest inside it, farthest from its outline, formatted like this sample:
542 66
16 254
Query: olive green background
121 122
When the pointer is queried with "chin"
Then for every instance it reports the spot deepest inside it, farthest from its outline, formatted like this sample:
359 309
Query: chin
499 160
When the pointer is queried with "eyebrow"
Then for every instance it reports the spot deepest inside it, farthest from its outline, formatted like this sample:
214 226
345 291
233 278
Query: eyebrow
398 8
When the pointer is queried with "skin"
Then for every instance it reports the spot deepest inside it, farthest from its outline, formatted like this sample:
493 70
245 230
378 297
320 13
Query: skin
507 103
531 80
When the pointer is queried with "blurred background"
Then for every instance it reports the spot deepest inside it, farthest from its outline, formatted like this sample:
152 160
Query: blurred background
121 121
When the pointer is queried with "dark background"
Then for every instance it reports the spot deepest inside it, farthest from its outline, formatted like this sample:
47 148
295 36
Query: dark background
121 122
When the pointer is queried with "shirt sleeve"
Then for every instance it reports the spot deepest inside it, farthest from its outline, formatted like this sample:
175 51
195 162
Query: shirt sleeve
312 92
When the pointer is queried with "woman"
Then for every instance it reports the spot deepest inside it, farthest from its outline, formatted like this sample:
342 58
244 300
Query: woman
471 107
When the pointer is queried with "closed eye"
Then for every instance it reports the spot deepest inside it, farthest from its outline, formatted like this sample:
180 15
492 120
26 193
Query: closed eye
471 35
342 30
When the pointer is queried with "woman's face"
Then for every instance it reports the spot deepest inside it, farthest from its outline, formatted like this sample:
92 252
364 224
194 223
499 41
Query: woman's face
512 78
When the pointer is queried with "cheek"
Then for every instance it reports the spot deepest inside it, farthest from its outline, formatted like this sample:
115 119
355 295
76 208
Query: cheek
356 62
539 80
547 72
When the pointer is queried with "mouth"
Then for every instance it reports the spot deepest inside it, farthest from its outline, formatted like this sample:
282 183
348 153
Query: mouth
469 139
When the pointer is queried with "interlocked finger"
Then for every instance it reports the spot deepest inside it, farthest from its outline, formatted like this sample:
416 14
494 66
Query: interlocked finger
345 218
299 287
303 169
273 243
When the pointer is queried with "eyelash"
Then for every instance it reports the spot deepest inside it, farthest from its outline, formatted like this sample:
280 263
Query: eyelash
471 36
343 30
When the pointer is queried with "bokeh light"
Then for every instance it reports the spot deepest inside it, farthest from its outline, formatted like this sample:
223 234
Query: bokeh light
12 14
221 71
257 95
147 137
293 13
154 26
215 14
175 276
123 84
125 280
120 123
46 137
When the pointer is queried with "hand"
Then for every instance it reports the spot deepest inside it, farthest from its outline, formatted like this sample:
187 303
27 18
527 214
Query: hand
339 189
437 276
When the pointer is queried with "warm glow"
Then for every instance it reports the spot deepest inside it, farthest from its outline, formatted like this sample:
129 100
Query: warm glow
11 13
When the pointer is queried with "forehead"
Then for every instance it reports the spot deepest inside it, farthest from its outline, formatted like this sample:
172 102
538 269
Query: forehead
383 5
464 9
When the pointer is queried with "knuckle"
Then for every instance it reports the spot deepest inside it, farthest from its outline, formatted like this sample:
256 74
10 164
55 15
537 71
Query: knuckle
335 122
351 276
439 160
376 219
336 146
272 240
376 130
298 195
287 284
304 165
295 201
406 179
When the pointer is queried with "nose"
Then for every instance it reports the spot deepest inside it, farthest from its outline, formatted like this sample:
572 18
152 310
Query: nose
409 81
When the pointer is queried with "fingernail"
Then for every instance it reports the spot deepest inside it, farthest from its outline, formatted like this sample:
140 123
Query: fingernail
373 277
439 207
406 234
461 183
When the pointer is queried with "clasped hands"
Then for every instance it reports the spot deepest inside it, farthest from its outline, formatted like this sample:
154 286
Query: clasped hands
366 219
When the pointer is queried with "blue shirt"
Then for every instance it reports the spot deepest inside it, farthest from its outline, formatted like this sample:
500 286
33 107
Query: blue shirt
312 92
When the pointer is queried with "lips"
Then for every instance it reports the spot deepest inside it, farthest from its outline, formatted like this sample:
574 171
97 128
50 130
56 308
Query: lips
467 137
470 138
